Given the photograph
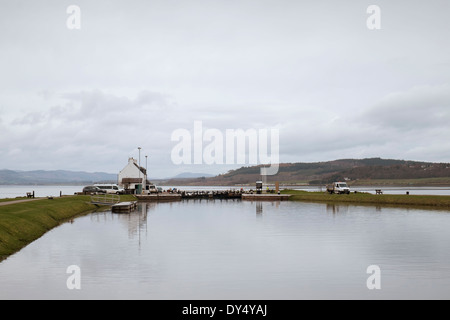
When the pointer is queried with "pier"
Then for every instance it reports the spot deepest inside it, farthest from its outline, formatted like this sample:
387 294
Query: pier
113 200
179 195
159 197
124 207
223 195
265 197
227 194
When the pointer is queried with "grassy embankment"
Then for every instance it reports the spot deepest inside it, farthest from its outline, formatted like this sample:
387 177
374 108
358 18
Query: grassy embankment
22 223
442 202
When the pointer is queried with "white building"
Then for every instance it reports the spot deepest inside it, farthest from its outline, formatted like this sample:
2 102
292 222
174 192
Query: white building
132 176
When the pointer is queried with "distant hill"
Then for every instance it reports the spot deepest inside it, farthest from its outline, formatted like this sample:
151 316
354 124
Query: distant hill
187 175
10 177
358 171
355 170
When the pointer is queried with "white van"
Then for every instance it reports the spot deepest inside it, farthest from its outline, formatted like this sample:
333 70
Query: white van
152 189
338 187
110 188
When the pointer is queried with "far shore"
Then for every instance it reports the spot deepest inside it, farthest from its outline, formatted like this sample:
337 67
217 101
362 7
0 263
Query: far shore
425 201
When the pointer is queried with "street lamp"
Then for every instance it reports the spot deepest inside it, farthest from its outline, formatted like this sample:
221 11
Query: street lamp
146 164
146 172
140 169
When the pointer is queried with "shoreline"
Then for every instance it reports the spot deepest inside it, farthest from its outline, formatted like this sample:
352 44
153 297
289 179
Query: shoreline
22 222
412 201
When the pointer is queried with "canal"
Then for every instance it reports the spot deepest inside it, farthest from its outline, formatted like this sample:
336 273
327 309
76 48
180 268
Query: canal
232 249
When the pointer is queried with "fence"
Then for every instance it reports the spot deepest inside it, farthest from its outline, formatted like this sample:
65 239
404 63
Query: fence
105 199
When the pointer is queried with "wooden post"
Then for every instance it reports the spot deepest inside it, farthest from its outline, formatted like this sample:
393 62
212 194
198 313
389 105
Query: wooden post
277 186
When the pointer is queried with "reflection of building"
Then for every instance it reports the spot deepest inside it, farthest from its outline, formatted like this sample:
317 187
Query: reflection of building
133 177
259 208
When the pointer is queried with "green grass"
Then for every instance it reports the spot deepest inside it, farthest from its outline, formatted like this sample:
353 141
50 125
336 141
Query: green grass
22 223
367 198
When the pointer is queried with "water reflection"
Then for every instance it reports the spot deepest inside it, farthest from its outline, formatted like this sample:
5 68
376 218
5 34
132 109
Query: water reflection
221 249
344 208
135 222
259 209
259 205
337 208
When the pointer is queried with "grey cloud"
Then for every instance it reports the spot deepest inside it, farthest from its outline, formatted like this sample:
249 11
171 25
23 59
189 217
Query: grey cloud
419 108
136 72
99 106
85 123
32 118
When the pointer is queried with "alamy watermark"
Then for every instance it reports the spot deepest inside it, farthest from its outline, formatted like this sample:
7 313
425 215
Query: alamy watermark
74 280
234 146
374 280
373 22
73 21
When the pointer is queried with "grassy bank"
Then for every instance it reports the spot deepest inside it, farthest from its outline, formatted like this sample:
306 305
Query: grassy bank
22 223
366 198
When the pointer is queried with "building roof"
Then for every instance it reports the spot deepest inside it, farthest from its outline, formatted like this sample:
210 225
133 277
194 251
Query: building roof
143 170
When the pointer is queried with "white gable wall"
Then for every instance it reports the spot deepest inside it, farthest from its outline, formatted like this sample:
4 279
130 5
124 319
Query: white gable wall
131 170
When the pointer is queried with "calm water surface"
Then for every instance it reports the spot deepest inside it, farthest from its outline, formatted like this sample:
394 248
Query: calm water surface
238 250
39 191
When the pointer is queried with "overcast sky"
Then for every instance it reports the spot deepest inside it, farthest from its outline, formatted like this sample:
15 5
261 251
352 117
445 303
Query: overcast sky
137 71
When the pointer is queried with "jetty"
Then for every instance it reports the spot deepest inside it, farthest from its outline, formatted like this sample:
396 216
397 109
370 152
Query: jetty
122 207
159 197
265 197
227 194
113 200
210 195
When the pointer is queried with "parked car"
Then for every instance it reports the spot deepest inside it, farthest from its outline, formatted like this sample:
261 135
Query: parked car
92 189
110 188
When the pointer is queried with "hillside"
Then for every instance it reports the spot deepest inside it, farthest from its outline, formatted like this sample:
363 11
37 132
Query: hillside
189 175
359 171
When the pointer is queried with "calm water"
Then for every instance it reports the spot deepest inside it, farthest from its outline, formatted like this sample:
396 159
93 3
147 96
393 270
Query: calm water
238 250
39 191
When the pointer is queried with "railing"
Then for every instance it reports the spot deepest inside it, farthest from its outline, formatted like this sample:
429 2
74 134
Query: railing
105 199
